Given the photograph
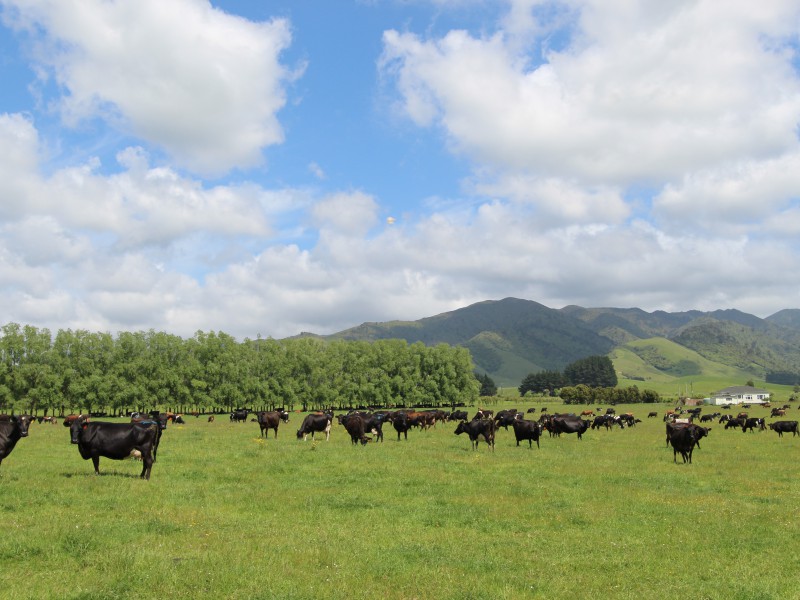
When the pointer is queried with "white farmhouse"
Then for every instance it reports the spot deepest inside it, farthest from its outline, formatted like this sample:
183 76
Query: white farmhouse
739 394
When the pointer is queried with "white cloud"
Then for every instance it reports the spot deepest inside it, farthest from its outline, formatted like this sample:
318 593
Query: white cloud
204 85
645 91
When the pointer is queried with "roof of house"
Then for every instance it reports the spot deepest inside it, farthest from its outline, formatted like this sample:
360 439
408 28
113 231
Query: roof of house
737 390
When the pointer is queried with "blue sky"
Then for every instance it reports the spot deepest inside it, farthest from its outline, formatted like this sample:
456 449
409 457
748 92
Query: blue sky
266 168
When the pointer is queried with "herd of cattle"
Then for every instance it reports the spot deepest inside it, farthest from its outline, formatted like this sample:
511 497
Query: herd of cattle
140 438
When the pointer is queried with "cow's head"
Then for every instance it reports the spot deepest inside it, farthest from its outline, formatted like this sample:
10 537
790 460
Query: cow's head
23 422
460 428
284 416
76 429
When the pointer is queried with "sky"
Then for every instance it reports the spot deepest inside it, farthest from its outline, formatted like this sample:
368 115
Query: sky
267 168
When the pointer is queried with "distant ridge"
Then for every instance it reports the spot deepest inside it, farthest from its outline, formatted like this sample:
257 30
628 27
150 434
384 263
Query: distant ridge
510 338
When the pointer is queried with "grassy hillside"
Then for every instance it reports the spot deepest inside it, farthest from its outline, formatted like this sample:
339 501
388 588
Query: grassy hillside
510 338
672 370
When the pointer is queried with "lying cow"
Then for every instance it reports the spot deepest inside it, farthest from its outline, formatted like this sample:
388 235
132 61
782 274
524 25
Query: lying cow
12 430
115 441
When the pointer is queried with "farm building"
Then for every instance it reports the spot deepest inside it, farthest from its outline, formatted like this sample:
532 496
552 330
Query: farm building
739 394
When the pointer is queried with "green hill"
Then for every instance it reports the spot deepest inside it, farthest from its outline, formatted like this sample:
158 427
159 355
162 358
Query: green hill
511 338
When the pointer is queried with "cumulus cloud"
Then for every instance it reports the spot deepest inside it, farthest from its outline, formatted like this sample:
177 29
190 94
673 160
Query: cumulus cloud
645 91
204 85
624 154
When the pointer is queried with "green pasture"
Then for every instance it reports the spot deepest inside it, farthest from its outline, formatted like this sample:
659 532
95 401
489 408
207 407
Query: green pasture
229 515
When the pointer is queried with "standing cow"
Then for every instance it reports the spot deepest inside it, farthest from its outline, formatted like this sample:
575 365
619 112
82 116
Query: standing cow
12 429
115 441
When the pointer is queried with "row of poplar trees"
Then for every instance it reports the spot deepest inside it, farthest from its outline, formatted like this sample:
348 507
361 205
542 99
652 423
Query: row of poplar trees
82 371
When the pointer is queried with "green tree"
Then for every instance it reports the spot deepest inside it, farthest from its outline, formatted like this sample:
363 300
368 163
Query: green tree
594 371
488 386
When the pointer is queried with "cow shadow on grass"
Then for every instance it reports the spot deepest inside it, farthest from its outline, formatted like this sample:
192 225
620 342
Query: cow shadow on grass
103 474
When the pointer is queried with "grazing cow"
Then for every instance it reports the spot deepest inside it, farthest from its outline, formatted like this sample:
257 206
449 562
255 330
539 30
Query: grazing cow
270 419
314 423
724 419
476 428
652 414
562 424
354 424
532 409
240 415
706 418
373 422
211 419
527 430
778 412
733 423
781 427
629 419
683 440
12 430
458 415
587 413
611 411
752 423
115 441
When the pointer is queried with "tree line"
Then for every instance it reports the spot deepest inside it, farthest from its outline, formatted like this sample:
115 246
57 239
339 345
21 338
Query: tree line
83 371
590 380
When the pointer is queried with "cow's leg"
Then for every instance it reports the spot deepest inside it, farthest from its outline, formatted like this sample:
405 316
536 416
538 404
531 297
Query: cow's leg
96 463
147 459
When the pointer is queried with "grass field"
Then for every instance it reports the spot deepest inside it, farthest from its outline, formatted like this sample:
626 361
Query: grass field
228 515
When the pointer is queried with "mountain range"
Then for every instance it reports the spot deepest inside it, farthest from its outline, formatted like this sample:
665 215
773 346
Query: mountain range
511 338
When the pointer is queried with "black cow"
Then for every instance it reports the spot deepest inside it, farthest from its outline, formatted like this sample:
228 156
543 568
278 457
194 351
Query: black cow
354 424
270 419
782 427
373 422
240 415
400 422
751 423
699 432
476 428
115 441
160 419
504 418
483 414
458 415
527 430
313 423
683 440
562 424
12 430
733 423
